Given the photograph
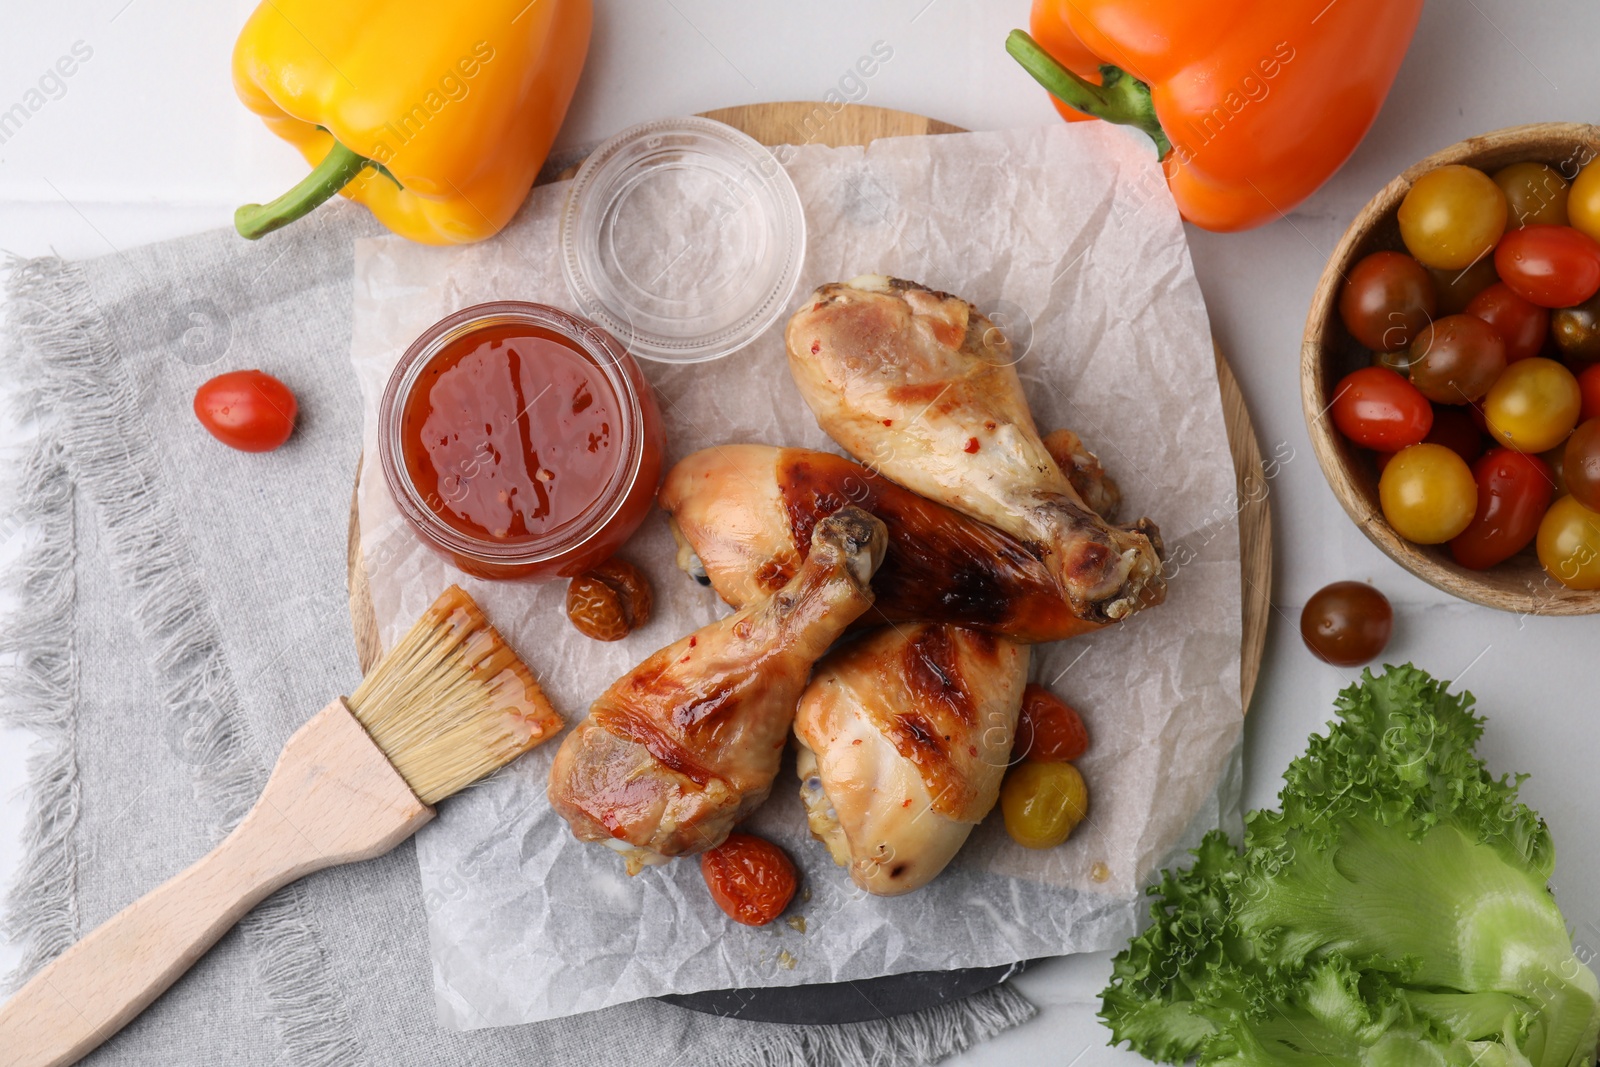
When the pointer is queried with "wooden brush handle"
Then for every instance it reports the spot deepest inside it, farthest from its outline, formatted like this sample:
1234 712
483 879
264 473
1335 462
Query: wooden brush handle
333 798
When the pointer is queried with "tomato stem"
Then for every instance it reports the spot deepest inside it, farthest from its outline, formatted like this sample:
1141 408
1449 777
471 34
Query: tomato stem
337 170
1120 98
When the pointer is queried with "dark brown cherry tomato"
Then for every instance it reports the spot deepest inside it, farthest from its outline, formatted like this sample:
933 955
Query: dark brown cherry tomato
1522 324
1456 429
1347 623
1049 730
1456 359
1581 464
1535 193
1552 266
750 878
246 409
1376 408
1514 489
1386 299
1456 288
1399 362
1589 392
1576 331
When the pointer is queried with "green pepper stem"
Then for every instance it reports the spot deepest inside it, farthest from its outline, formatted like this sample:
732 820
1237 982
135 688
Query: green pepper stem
337 169
1120 98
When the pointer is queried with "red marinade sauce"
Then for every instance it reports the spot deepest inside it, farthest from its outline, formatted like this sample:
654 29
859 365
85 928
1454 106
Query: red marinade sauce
511 432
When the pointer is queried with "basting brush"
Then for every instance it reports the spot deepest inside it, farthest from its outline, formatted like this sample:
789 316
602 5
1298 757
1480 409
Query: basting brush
448 705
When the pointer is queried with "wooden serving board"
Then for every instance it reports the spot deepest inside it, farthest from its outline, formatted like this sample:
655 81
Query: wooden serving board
803 122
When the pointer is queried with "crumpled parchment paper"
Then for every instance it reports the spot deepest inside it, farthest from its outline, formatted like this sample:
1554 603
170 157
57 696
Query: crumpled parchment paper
1067 238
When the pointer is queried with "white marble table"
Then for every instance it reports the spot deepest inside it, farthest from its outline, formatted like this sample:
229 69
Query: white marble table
146 141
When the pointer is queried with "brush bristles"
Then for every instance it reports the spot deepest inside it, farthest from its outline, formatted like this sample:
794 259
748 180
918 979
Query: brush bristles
451 702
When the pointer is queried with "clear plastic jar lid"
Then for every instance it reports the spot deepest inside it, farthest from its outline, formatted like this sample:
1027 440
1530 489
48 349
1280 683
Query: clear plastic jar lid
684 238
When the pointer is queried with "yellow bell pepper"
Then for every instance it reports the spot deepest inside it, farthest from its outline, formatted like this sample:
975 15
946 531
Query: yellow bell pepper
436 116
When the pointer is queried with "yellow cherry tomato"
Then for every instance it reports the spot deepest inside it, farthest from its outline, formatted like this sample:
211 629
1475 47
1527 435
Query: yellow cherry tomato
1452 217
1535 194
1583 201
1428 494
1569 545
1533 405
1043 803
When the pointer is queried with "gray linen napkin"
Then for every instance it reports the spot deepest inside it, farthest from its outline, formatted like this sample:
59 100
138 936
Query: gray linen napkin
184 610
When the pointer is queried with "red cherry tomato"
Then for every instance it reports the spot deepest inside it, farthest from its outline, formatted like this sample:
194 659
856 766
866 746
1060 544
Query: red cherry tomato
247 410
1456 429
750 878
1589 390
1552 266
1523 325
1376 408
1514 489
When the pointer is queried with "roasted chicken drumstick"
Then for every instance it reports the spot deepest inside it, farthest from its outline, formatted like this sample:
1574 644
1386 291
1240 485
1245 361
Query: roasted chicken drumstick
743 516
921 387
686 744
904 738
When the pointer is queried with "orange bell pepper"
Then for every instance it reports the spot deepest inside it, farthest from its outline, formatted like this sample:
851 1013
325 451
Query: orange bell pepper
1252 104
435 116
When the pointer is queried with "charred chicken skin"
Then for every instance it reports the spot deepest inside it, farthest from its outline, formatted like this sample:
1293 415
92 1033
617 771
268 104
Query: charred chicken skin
743 516
685 745
922 387
905 736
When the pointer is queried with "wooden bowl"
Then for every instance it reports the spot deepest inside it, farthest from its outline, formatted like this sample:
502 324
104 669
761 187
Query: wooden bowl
1328 353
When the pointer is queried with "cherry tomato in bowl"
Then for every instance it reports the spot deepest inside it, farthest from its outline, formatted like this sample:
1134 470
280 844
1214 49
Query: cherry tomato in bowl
1456 288
1456 359
1576 331
1581 464
1452 216
1347 623
1049 730
1386 300
1376 408
1514 489
1522 324
1533 405
1535 193
1583 201
246 409
1427 494
750 878
1456 429
1569 544
1589 392
1552 266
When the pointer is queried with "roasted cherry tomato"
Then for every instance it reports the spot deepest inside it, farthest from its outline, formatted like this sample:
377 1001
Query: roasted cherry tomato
247 410
1552 266
1589 392
1452 217
1043 803
1346 623
1533 405
1386 299
1577 333
1569 544
1456 429
1428 494
1456 359
1522 324
750 878
1581 464
1583 201
1535 194
1456 288
1376 408
1514 489
1048 729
